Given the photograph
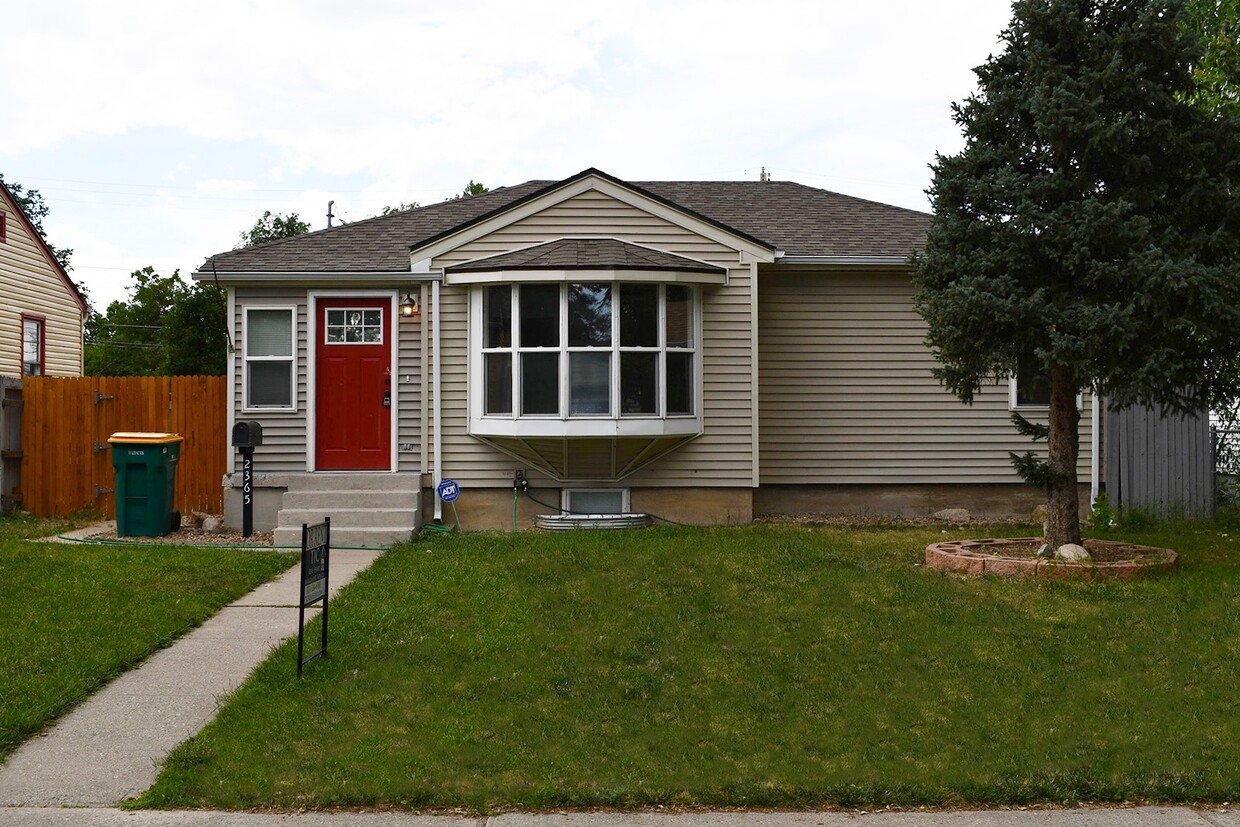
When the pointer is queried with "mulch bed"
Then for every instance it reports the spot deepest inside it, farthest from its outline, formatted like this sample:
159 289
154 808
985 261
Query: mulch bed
1019 558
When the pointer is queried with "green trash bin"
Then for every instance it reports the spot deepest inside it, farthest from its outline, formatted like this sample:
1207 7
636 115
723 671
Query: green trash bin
146 471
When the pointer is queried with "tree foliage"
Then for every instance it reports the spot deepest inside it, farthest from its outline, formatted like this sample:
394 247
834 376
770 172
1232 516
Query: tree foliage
1216 23
1091 223
401 207
471 189
273 227
166 328
36 209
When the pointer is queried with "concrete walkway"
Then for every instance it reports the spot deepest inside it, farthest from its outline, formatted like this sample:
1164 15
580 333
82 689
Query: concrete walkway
1138 817
111 746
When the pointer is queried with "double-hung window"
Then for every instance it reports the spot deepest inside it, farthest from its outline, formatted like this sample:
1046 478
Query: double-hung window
270 358
581 351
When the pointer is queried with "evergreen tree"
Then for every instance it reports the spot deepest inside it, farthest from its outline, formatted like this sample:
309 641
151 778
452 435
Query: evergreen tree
1090 225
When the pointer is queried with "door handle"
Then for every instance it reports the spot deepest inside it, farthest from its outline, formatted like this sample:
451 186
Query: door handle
387 399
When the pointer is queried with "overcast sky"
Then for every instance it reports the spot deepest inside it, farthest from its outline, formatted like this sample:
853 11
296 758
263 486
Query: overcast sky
158 131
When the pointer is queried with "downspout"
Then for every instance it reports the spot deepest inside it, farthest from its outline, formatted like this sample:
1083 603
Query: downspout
1094 443
436 409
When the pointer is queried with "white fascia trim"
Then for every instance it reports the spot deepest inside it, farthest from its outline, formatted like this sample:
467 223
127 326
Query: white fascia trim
236 360
560 276
573 428
850 261
579 187
313 276
312 319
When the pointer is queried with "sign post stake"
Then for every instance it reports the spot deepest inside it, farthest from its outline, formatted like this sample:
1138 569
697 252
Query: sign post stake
315 564
247 491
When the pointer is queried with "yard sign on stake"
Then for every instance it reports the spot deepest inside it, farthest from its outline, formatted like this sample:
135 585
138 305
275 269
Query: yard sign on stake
315 554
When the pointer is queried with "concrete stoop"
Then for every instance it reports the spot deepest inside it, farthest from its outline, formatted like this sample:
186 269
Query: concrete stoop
366 510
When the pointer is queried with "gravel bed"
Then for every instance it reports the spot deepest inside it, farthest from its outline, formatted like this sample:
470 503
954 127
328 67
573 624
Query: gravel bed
190 536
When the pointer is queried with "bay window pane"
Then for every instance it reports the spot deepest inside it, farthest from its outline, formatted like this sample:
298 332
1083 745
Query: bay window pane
589 386
497 316
540 381
540 315
269 333
639 383
589 315
679 383
498 383
639 315
270 384
679 316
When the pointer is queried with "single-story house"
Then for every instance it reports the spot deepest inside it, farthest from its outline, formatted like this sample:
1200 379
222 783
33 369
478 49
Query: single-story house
703 351
42 314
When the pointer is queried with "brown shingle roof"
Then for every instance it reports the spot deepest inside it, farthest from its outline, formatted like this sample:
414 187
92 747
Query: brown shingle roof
586 254
800 220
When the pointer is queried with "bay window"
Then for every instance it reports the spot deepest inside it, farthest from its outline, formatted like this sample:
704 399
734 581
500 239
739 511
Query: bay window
586 351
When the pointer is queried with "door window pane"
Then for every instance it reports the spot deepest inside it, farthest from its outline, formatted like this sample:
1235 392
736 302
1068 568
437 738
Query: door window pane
540 315
639 315
679 383
497 310
589 383
679 316
639 387
498 383
589 315
540 383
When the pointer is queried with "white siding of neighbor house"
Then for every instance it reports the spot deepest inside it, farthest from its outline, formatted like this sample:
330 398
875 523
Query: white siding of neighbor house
286 435
847 395
723 455
30 284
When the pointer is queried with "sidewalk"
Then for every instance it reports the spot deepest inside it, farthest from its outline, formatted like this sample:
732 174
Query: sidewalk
1138 817
111 746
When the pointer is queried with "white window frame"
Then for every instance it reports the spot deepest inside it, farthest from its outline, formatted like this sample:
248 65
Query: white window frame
562 423
565 495
1014 406
39 323
246 359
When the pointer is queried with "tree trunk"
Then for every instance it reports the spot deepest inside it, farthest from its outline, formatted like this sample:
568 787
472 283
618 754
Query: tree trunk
1063 513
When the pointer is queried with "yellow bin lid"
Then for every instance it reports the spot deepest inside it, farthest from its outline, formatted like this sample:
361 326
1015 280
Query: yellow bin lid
144 437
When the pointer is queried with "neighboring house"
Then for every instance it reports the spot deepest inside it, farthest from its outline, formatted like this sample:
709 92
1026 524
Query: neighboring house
42 314
703 351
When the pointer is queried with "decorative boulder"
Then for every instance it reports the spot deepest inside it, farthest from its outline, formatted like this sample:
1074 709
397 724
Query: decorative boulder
213 525
953 515
1072 553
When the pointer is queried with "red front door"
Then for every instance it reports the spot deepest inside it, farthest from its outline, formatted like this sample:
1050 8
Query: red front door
353 385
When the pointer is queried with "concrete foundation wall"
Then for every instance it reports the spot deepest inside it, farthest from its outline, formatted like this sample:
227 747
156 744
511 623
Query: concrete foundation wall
268 499
491 508
911 500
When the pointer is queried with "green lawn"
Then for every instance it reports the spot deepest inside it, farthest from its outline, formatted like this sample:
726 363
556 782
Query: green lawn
74 616
753 667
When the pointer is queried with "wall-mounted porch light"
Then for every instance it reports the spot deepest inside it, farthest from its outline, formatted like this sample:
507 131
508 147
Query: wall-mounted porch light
409 305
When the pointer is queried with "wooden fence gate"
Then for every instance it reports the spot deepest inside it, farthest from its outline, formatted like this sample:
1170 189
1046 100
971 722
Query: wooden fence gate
66 461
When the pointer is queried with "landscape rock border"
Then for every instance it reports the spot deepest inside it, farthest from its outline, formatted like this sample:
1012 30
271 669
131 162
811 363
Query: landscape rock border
977 557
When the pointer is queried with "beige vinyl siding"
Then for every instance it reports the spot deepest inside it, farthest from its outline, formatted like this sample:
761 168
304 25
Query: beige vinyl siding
722 456
408 374
847 395
30 284
284 433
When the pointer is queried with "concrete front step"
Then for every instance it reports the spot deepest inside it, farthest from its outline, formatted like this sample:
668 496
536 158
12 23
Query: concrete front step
353 499
349 517
348 537
354 481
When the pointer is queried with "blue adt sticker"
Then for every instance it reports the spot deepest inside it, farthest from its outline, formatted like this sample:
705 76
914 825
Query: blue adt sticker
448 490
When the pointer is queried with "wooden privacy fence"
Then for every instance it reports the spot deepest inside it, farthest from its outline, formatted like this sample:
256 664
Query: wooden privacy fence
66 462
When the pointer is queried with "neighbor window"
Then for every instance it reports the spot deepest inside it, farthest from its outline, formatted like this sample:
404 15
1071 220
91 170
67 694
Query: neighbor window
1030 386
4 228
270 365
34 347
595 350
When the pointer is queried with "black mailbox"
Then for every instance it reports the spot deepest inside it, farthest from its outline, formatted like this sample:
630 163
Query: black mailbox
247 434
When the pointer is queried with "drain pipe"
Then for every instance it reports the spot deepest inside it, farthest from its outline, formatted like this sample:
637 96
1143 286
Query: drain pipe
1094 443
436 408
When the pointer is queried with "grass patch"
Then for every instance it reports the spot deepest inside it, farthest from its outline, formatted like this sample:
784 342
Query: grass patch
74 616
763 666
